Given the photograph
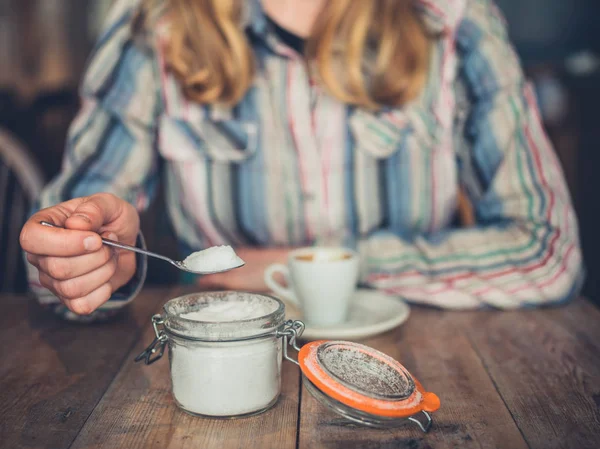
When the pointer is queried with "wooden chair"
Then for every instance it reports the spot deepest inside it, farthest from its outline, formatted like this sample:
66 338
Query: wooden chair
21 182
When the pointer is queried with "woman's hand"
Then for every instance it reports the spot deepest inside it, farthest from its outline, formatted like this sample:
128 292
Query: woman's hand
73 263
251 276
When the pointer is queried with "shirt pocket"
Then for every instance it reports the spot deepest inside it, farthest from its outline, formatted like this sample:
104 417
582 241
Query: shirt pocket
218 141
202 158
379 135
398 154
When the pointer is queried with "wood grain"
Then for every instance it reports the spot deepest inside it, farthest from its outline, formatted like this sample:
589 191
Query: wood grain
440 356
546 366
138 411
505 379
53 373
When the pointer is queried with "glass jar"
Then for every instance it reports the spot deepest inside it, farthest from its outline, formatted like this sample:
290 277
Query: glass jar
232 368
222 368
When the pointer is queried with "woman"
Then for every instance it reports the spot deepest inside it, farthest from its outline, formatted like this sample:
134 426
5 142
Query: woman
289 123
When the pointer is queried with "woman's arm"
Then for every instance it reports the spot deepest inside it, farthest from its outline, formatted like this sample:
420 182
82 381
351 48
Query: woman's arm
110 146
524 249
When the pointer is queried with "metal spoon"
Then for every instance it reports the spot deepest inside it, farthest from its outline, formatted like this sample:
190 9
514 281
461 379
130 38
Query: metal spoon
177 263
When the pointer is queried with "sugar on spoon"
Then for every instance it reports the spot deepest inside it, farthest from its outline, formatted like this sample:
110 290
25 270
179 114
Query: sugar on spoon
197 263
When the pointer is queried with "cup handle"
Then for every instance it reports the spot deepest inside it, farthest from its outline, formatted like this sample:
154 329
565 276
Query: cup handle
276 287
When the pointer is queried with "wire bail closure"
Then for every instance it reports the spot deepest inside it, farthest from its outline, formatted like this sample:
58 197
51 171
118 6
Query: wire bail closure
292 330
157 347
423 426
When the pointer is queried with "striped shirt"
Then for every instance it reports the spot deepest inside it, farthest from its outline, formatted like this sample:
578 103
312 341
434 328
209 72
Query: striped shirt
290 165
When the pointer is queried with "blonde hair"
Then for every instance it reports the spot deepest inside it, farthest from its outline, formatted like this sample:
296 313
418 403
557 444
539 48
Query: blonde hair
368 53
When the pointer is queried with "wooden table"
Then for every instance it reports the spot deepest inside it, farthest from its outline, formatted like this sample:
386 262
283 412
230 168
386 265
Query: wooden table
506 379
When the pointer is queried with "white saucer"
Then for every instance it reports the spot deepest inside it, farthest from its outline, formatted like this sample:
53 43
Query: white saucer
371 313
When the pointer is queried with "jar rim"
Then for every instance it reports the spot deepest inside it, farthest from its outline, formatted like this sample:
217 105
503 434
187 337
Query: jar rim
221 330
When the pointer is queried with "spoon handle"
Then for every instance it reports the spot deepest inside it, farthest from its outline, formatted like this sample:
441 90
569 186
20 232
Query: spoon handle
109 242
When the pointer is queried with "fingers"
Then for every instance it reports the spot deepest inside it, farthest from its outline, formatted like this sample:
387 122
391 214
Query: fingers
126 270
90 302
81 286
83 219
63 268
94 212
41 240
71 260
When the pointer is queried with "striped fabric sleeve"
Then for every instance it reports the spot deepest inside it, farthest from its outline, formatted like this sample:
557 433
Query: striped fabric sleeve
525 248
111 143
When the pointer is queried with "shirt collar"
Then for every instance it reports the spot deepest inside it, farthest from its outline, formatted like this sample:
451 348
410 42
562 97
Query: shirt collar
254 18
440 16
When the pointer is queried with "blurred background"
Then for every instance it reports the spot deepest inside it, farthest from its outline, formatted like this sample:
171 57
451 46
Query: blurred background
44 46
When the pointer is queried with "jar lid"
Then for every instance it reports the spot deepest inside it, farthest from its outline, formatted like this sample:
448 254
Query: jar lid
223 316
363 384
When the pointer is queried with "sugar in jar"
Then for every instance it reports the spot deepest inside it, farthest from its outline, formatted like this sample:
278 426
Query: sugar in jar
225 351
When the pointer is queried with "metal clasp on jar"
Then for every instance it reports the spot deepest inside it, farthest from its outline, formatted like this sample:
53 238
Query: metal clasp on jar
157 348
292 330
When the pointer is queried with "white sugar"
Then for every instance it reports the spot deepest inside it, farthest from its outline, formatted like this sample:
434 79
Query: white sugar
215 258
226 379
229 378
224 311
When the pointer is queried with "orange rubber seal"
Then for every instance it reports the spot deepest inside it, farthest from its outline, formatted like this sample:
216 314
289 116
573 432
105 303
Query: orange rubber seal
419 400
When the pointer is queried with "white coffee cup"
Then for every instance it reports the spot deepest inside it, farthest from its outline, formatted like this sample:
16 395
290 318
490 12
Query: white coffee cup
321 282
